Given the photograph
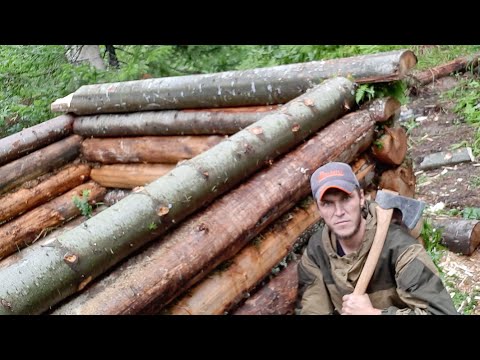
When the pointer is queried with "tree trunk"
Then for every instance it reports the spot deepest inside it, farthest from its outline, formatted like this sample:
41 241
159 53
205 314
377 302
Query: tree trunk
263 86
429 75
112 56
184 122
39 162
223 289
14 204
17 145
459 235
446 158
143 216
77 54
130 175
277 297
147 149
150 280
25 229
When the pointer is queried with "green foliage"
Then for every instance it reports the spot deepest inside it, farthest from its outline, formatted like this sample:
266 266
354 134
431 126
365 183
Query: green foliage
396 89
475 181
470 213
464 302
82 203
432 238
152 226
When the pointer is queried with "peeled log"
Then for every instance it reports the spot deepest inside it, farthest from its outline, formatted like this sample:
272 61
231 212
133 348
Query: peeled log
184 256
25 229
277 297
262 86
149 149
446 158
129 176
225 121
126 226
223 289
459 235
39 162
18 202
35 137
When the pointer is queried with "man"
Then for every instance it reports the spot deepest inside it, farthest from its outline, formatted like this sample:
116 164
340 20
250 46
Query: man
405 280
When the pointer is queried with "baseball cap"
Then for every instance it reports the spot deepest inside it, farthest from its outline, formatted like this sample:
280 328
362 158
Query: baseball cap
336 175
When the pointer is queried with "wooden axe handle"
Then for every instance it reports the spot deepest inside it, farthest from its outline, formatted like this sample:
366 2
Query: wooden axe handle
383 222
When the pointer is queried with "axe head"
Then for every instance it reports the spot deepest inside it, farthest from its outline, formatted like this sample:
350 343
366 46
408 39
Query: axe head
411 209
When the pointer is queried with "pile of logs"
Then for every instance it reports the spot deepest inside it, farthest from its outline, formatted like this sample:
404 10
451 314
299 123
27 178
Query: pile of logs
204 182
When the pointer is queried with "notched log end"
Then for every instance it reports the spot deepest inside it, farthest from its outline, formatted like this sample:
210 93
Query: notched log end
62 104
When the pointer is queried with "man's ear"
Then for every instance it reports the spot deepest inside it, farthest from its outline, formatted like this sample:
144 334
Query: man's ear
362 197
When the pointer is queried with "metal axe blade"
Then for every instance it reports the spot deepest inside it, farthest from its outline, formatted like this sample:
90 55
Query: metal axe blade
411 209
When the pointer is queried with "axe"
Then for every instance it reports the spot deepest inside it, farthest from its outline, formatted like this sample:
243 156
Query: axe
387 201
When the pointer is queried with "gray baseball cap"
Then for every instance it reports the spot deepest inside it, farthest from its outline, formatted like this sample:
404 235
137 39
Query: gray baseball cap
336 175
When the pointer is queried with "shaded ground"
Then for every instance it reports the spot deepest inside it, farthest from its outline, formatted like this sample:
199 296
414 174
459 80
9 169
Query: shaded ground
438 129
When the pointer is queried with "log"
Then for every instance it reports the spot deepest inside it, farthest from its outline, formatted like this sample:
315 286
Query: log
115 195
263 86
46 238
129 176
427 76
39 162
220 291
149 149
16 203
25 229
143 216
379 108
151 279
277 297
225 121
446 158
391 148
35 137
223 289
400 179
459 235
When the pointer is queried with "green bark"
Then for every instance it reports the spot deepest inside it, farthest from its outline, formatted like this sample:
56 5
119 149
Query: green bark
263 86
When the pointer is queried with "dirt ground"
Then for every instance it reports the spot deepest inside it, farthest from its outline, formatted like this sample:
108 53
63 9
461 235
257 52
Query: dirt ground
436 129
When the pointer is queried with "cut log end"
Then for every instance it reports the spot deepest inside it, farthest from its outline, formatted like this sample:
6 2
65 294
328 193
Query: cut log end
391 148
407 61
62 104
475 238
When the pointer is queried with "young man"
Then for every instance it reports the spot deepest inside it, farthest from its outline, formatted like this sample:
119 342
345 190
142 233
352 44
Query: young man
405 280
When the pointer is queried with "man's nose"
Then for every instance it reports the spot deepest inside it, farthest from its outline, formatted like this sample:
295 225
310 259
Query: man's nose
339 209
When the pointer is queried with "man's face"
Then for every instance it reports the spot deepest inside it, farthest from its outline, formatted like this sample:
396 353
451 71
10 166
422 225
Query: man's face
341 212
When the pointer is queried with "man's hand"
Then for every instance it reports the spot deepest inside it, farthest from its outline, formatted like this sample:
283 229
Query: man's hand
358 305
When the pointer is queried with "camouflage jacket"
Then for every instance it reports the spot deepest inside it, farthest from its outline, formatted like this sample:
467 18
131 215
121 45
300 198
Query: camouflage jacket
405 280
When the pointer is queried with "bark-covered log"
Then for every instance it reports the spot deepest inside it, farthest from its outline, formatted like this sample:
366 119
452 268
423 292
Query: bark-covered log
118 231
35 137
39 162
223 289
22 231
47 237
459 235
446 158
273 85
391 148
129 176
429 75
16 203
198 245
383 109
225 121
277 297
147 149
